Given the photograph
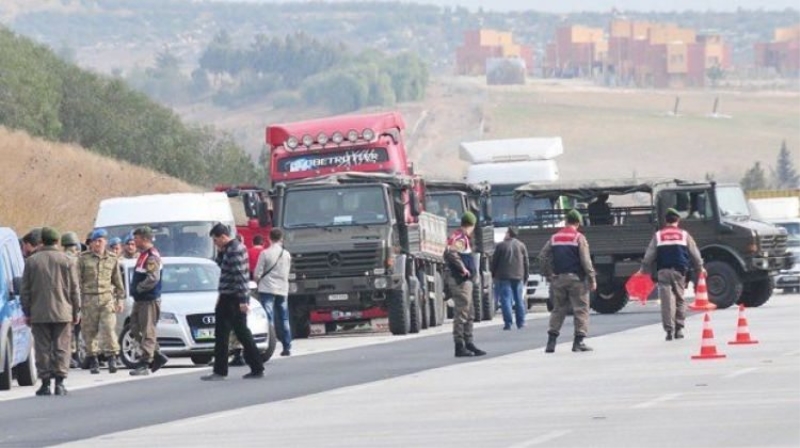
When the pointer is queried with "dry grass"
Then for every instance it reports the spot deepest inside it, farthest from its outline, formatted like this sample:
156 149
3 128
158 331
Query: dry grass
45 183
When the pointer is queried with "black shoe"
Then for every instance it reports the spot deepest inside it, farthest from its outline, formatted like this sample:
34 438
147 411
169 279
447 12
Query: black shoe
254 375
140 370
669 335
44 390
506 327
74 361
286 352
60 389
212 377
462 352
579 346
85 365
112 364
679 333
238 359
551 343
475 350
94 365
159 360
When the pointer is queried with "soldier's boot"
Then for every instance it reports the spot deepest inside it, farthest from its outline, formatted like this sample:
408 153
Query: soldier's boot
74 361
44 390
551 343
101 360
461 351
579 346
85 365
669 335
679 333
94 365
140 370
159 360
475 350
238 359
112 364
60 389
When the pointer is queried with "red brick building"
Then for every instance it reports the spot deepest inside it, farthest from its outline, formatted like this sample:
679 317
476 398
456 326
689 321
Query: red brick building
481 45
782 54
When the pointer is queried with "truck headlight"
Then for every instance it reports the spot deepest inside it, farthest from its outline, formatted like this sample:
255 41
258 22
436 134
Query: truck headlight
292 276
381 283
292 287
167 318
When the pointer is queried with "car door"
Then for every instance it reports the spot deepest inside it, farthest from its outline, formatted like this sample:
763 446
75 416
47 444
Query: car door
13 266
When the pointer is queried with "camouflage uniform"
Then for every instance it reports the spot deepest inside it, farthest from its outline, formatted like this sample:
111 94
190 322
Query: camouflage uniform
101 284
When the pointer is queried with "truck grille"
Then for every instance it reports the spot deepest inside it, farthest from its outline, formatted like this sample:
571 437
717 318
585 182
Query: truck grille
774 244
345 263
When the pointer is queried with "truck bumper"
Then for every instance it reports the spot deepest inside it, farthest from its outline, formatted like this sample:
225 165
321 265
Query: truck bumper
772 263
347 292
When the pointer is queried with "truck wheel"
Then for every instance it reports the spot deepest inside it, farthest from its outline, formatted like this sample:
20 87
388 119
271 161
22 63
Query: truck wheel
414 316
609 299
424 308
477 301
755 294
272 339
399 307
438 307
299 321
724 284
26 372
5 375
201 360
488 298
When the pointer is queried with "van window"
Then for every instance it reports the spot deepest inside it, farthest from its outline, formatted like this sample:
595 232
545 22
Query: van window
176 239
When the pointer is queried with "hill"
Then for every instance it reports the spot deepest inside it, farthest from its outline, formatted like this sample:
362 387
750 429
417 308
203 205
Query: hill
46 183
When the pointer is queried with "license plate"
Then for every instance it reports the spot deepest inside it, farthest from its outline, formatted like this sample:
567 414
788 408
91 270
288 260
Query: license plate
204 333
337 297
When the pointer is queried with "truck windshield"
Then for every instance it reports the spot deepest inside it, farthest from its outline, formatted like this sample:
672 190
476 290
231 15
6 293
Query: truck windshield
336 206
732 202
503 210
448 206
175 239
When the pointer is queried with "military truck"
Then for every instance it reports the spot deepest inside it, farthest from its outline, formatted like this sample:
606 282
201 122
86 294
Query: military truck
450 199
363 251
741 255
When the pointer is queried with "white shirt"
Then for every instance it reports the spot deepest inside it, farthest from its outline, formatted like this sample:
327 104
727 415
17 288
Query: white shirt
277 281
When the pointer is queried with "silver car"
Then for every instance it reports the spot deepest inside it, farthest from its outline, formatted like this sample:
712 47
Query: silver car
186 325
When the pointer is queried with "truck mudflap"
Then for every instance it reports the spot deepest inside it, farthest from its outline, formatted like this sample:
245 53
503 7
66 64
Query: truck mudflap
327 321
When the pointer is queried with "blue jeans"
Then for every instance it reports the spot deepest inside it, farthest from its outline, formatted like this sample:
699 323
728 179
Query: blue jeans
511 291
277 307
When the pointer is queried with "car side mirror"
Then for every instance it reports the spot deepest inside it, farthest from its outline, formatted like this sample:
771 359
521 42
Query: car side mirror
16 285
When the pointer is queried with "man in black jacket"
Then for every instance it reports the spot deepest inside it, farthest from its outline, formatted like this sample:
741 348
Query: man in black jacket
510 273
232 306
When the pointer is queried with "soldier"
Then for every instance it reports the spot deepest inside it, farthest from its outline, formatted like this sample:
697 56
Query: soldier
129 250
566 262
103 296
115 246
51 302
673 250
461 269
72 247
146 292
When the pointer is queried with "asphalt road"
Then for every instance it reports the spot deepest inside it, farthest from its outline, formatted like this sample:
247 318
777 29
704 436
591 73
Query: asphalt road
93 412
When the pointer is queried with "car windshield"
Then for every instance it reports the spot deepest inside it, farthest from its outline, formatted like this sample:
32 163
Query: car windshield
793 229
732 202
503 209
176 239
448 206
336 206
187 277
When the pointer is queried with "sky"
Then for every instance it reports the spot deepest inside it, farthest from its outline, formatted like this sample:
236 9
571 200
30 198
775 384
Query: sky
560 6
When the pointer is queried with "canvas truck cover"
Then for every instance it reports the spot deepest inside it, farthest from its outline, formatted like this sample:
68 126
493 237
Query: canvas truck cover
511 150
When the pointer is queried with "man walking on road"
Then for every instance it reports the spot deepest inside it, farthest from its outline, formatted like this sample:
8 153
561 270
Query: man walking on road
272 275
674 251
146 292
566 262
510 273
232 306
461 270
103 296
51 303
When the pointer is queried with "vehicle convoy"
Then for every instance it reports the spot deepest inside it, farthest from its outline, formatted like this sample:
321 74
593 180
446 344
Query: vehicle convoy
16 340
363 251
783 212
741 255
506 165
186 323
450 200
180 221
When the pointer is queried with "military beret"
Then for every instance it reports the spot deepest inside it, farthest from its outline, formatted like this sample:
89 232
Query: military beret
114 241
144 231
50 236
128 238
97 234
672 212
468 219
574 217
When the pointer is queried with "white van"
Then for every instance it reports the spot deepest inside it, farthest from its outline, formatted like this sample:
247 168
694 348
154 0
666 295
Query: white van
180 221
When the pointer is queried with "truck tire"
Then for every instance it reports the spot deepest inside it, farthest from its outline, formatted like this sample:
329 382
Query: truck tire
487 302
26 372
437 310
272 342
299 322
724 285
399 307
609 298
414 307
477 301
5 375
755 294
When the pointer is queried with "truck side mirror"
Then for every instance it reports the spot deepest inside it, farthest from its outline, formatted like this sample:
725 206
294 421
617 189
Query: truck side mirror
486 209
414 203
264 214
250 204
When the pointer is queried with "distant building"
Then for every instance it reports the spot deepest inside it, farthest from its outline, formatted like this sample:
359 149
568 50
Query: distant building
782 54
481 45
576 51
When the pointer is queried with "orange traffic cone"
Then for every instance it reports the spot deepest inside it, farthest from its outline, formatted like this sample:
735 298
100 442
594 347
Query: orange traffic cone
708 350
701 302
742 332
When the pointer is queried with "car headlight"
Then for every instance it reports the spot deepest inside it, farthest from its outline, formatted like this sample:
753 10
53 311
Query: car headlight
381 283
292 287
167 318
258 312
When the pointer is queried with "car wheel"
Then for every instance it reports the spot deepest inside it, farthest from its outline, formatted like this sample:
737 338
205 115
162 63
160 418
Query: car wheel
26 372
128 347
201 360
5 375
272 343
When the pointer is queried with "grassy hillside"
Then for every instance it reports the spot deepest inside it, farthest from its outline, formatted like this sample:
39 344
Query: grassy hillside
45 183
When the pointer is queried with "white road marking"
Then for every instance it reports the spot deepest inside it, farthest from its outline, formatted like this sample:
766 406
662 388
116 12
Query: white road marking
740 372
544 438
792 353
655 401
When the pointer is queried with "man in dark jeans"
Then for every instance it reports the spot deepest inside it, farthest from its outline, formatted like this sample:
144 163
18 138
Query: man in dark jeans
510 273
232 306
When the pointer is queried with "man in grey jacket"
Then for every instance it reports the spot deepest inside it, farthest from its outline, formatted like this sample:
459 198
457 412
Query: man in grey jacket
51 302
510 273
272 275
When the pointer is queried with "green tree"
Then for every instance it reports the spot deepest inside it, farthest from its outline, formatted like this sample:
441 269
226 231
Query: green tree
754 178
785 174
